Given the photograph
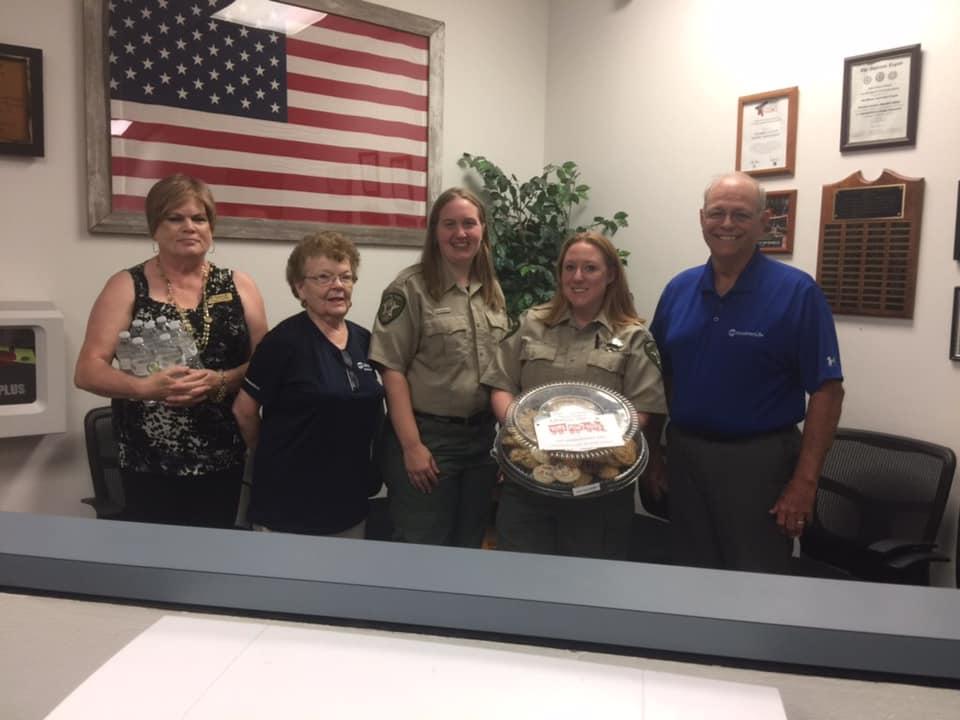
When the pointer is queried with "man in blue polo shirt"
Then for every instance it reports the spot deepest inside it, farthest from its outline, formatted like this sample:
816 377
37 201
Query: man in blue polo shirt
744 340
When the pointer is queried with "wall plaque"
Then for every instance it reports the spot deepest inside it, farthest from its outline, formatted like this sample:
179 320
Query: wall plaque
869 243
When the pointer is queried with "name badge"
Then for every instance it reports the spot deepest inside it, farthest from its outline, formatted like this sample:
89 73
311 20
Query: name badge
442 311
222 297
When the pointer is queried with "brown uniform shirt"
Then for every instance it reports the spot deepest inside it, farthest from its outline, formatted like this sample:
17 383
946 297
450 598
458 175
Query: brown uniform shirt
441 346
626 361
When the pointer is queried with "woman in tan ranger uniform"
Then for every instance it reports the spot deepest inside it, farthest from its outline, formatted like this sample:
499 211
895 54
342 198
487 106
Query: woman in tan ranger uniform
436 331
589 332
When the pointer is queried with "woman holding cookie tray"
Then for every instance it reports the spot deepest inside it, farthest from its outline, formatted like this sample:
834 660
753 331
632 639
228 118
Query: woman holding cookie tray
436 331
590 333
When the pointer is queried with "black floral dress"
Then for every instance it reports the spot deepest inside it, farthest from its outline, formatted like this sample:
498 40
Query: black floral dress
193 441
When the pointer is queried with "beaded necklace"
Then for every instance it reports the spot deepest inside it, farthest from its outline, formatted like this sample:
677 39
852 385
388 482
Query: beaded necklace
184 320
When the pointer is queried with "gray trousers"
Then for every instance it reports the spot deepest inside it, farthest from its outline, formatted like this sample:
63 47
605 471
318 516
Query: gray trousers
720 496
457 512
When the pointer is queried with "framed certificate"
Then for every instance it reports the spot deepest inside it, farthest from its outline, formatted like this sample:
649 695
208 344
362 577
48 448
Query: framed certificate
782 205
21 100
880 99
767 133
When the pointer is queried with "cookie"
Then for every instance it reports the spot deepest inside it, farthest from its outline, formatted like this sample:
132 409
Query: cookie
521 456
566 474
543 474
626 454
608 472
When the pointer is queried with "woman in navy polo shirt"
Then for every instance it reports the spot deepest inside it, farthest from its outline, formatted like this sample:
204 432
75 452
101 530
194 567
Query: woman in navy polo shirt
321 401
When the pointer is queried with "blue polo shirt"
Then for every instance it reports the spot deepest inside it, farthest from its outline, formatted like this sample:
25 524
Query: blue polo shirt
742 364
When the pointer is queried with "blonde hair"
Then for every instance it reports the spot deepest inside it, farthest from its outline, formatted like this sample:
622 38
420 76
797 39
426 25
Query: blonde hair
431 261
172 192
617 300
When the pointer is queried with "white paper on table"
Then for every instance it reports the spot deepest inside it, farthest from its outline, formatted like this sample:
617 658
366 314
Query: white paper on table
201 669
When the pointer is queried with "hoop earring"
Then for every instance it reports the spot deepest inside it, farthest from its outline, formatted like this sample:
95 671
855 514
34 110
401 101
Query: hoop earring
213 248
156 248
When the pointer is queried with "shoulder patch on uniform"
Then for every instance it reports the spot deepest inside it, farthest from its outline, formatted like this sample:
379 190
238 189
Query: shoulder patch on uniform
650 348
392 305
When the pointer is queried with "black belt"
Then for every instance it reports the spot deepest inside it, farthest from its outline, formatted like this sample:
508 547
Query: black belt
479 419
721 438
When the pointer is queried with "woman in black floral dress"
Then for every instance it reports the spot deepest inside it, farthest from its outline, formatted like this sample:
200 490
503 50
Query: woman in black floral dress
181 454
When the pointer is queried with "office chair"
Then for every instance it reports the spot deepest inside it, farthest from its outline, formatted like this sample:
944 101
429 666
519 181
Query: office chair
879 505
102 452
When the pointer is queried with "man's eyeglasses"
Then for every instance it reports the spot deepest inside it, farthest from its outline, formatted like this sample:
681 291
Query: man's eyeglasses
351 375
740 217
325 279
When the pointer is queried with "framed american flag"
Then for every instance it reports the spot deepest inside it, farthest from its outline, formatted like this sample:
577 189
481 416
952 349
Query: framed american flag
320 113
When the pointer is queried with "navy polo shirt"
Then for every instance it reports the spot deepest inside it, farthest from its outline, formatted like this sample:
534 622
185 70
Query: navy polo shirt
312 463
742 364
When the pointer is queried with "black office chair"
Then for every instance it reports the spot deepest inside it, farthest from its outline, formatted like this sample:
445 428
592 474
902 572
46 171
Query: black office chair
879 506
102 453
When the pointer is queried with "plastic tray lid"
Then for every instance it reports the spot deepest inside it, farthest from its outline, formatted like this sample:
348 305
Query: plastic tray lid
560 405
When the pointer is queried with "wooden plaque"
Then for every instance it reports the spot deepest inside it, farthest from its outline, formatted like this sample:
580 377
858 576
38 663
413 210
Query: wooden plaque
869 243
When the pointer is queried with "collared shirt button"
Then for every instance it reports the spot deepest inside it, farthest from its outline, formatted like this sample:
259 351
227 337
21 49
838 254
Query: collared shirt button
716 319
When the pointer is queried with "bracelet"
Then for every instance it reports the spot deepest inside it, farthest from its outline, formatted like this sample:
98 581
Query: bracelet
221 392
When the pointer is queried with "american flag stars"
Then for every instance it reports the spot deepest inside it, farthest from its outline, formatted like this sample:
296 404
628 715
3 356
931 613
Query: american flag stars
166 51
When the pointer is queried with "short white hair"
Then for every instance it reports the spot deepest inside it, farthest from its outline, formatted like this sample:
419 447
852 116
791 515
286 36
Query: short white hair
761 193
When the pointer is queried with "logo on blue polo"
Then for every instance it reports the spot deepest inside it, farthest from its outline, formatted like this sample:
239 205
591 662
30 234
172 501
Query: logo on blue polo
744 333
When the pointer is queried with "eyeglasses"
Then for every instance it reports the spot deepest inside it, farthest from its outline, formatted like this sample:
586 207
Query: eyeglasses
351 375
740 217
325 279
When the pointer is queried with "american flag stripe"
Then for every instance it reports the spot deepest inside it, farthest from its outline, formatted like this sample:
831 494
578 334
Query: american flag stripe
267 180
377 32
365 76
345 141
241 194
356 59
336 90
355 124
324 35
256 132
312 100
130 203
129 160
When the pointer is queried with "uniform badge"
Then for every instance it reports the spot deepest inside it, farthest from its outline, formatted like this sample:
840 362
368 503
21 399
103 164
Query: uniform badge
650 348
392 304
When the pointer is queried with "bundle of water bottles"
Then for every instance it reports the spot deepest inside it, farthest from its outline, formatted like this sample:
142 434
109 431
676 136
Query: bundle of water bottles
154 345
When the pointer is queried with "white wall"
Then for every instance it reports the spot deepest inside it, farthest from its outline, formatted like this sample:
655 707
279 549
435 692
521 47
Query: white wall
644 96
46 252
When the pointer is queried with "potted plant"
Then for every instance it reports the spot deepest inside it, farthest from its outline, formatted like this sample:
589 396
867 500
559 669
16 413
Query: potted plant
529 222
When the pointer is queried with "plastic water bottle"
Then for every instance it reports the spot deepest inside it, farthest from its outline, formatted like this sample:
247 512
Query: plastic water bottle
184 340
140 358
162 324
166 353
124 351
136 328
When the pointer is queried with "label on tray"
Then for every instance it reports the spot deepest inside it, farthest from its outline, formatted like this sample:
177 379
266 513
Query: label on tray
577 430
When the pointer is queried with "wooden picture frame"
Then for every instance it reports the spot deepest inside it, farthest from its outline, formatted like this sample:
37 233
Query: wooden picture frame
327 165
955 326
21 100
881 99
778 238
767 132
